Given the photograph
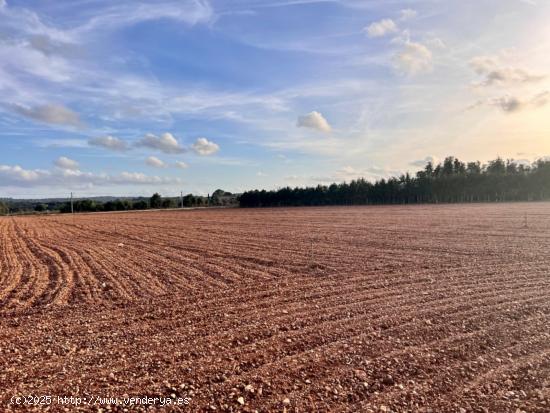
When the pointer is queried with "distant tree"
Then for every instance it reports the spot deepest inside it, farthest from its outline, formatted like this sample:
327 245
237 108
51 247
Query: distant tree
4 209
168 203
41 207
450 181
86 205
473 168
65 208
141 204
189 200
496 167
155 201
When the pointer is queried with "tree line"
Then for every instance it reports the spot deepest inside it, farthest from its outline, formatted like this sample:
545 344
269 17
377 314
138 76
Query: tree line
156 201
447 182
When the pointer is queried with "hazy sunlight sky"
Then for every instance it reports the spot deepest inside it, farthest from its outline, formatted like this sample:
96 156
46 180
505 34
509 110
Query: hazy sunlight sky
128 97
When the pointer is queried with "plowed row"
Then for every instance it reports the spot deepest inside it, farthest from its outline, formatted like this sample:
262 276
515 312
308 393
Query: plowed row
352 309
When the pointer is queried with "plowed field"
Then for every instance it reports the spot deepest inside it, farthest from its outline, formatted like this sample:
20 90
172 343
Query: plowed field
352 309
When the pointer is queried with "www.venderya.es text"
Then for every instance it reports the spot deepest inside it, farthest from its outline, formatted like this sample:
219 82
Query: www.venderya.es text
46 400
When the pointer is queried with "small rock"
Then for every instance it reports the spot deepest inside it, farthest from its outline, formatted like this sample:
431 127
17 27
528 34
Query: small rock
248 388
286 401
240 400
388 380
361 375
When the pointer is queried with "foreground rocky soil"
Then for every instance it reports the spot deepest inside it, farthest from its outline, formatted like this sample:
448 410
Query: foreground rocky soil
355 309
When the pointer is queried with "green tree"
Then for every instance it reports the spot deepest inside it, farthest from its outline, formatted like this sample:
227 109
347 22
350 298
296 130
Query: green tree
168 203
141 204
155 201
4 209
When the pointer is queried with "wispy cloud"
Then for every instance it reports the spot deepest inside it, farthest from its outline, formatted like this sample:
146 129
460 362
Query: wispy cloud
50 113
407 14
497 74
511 104
124 13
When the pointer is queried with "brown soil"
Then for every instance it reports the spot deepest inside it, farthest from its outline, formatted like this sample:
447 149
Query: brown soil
353 309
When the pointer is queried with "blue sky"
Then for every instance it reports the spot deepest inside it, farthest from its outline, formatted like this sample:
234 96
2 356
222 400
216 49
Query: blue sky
130 97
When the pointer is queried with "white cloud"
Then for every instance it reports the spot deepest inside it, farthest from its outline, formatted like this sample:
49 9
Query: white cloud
140 178
155 162
166 143
66 163
261 174
16 176
50 113
381 28
203 147
407 14
314 120
414 58
181 165
109 142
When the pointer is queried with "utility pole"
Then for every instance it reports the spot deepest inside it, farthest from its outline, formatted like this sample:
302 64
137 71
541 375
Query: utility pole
181 195
72 209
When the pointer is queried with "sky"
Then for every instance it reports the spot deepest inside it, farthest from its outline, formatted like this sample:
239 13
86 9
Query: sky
131 97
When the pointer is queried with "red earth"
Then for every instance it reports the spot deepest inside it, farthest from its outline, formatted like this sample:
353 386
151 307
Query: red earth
439 308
